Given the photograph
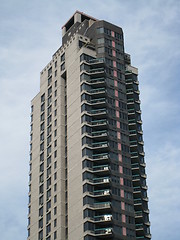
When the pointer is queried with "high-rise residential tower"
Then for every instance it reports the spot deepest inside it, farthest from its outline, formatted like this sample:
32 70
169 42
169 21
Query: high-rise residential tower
87 177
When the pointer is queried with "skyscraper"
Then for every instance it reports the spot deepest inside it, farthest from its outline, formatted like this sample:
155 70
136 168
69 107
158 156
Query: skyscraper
87 177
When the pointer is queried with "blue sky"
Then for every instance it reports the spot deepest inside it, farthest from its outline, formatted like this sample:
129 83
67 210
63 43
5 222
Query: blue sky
30 32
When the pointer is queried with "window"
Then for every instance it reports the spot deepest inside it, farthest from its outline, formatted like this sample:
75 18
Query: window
48 217
55 210
55 123
40 235
49 80
55 84
49 110
42 157
55 187
55 234
55 93
55 74
100 30
49 130
42 136
55 175
48 172
42 107
55 154
41 212
48 205
55 103
42 127
48 150
55 222
48 161
49 120
48 229
55 133
42 117
41 223
49 71
100 40
41 200
49 100
41 189
55 198
100 50
49 91
48 194
42 167
62 66
43 97
63 57
41 178
48 183
55 143
42 147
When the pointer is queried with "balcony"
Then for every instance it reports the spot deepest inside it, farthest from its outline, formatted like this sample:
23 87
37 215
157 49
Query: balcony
100 206
100 156
139 226
97 123
96 91
138 201
103 232
134 154
132 121
97 112
99 193
97 101
103 218
99 145
96 70
101 180
138 214
101 168
133 143
96 81
97 134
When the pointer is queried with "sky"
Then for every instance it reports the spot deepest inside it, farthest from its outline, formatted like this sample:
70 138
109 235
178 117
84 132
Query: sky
30 32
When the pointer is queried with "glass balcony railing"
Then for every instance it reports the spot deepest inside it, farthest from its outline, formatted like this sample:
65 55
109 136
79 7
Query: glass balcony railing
96 101
102 231
103 192
138 201
99 144
97 111
132 132
139 226
99 133
138 214
107 217
100 156
98 122
134 154
96 70
97 90
100 205
96 80
101 180
101 168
